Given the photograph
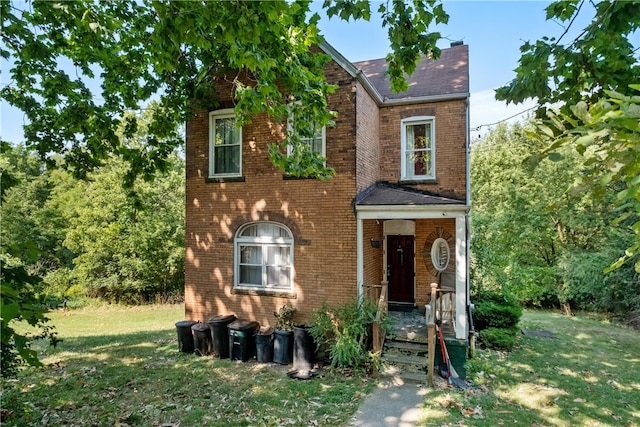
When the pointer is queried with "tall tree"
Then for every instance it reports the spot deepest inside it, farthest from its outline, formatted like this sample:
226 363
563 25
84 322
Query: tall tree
136 51
586 87
537 240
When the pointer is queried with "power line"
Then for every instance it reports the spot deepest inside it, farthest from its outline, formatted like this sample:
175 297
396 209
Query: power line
504 120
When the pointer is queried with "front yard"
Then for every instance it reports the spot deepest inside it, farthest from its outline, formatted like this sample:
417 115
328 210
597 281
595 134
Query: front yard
121 367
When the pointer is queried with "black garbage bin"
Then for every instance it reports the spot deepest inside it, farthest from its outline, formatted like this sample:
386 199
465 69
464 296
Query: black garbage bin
242 339
220 334
201 339
304 349
264 345
283 347
185 336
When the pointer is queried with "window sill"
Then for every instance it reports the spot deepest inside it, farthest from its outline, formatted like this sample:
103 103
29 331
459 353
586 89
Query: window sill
418 181
294 178
263 293
225 179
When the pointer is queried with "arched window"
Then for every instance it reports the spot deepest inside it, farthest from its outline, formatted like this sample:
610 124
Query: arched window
264 257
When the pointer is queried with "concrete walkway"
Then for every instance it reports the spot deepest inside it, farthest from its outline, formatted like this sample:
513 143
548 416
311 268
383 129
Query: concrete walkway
394 404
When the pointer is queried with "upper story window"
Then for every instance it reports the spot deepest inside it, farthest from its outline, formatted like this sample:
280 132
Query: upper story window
264 257
315 143
418 148
225 145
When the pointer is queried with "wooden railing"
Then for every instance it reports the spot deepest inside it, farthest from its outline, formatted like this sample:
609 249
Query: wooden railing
431 335
379 293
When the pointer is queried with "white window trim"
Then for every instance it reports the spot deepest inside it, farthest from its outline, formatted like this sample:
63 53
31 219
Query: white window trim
221 114
263 242
403 146
323 153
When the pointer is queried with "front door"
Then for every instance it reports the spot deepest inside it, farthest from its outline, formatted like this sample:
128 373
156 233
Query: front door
400 265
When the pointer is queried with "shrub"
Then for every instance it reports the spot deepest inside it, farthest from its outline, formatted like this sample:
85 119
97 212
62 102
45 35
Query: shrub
495 311
498 338
345 331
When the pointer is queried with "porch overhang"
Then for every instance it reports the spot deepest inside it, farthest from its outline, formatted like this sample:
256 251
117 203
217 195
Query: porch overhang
419 208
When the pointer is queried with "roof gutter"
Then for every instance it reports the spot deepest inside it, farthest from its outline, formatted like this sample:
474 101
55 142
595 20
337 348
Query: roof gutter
425 99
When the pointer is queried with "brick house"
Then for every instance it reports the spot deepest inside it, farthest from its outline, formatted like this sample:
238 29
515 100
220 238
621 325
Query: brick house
396 210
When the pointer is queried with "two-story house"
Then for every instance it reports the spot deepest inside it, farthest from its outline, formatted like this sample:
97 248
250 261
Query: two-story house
396 210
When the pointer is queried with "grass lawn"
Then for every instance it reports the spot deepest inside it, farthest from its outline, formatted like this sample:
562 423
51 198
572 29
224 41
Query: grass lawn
587 375
121 367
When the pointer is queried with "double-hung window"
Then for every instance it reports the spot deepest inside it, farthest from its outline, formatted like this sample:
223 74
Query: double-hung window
315 143
225 145
264 257
418 148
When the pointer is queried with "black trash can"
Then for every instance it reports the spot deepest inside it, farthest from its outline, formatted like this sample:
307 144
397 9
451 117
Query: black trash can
201 339
185 336
283 347
304 349
242 339
264 345
220 334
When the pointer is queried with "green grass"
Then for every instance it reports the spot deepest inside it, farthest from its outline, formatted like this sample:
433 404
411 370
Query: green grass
588 375
121 366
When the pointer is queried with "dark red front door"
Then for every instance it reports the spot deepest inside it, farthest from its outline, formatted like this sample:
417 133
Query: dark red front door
400 263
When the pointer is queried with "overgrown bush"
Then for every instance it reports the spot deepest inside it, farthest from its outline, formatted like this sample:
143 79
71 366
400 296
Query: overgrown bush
495 311
496 317
345 331
498 338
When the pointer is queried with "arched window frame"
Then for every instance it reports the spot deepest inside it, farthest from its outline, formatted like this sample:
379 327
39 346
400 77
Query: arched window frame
265 249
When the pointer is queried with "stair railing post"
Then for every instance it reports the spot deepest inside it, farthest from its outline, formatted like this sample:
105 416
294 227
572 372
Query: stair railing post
431 335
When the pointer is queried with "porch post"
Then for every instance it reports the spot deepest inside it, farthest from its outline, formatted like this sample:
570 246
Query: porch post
359 258
462 325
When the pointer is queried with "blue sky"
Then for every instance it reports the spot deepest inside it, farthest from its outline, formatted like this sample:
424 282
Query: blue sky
494 31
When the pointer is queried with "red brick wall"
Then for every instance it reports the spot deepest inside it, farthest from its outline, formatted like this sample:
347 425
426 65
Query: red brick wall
367 139
373 258
424 278
450 120
320 215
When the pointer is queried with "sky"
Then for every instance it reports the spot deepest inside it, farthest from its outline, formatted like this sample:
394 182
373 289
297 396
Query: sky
493 30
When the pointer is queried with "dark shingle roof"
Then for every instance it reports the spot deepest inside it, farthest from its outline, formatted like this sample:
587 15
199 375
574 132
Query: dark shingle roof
447 75
384 194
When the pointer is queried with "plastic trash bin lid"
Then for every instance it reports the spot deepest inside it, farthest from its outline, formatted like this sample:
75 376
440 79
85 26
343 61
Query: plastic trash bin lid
222 319
185 323
243 325
200 327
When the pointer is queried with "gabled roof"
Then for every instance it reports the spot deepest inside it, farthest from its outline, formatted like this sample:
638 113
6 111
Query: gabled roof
444 78
385 194
447 75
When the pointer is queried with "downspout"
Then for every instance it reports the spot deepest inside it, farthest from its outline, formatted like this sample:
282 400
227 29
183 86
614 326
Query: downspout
468 201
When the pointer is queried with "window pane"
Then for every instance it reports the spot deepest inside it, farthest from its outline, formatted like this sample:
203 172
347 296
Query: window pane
278 277
418 163
251 275
277 255
227 159
250 255
226 131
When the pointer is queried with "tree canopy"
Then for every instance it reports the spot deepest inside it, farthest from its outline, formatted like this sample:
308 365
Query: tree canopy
587 88
169 52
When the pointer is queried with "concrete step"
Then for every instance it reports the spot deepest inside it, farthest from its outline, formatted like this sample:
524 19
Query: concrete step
409 346
402 359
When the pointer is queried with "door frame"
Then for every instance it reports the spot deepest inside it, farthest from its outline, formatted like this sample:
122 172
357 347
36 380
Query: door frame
400 227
